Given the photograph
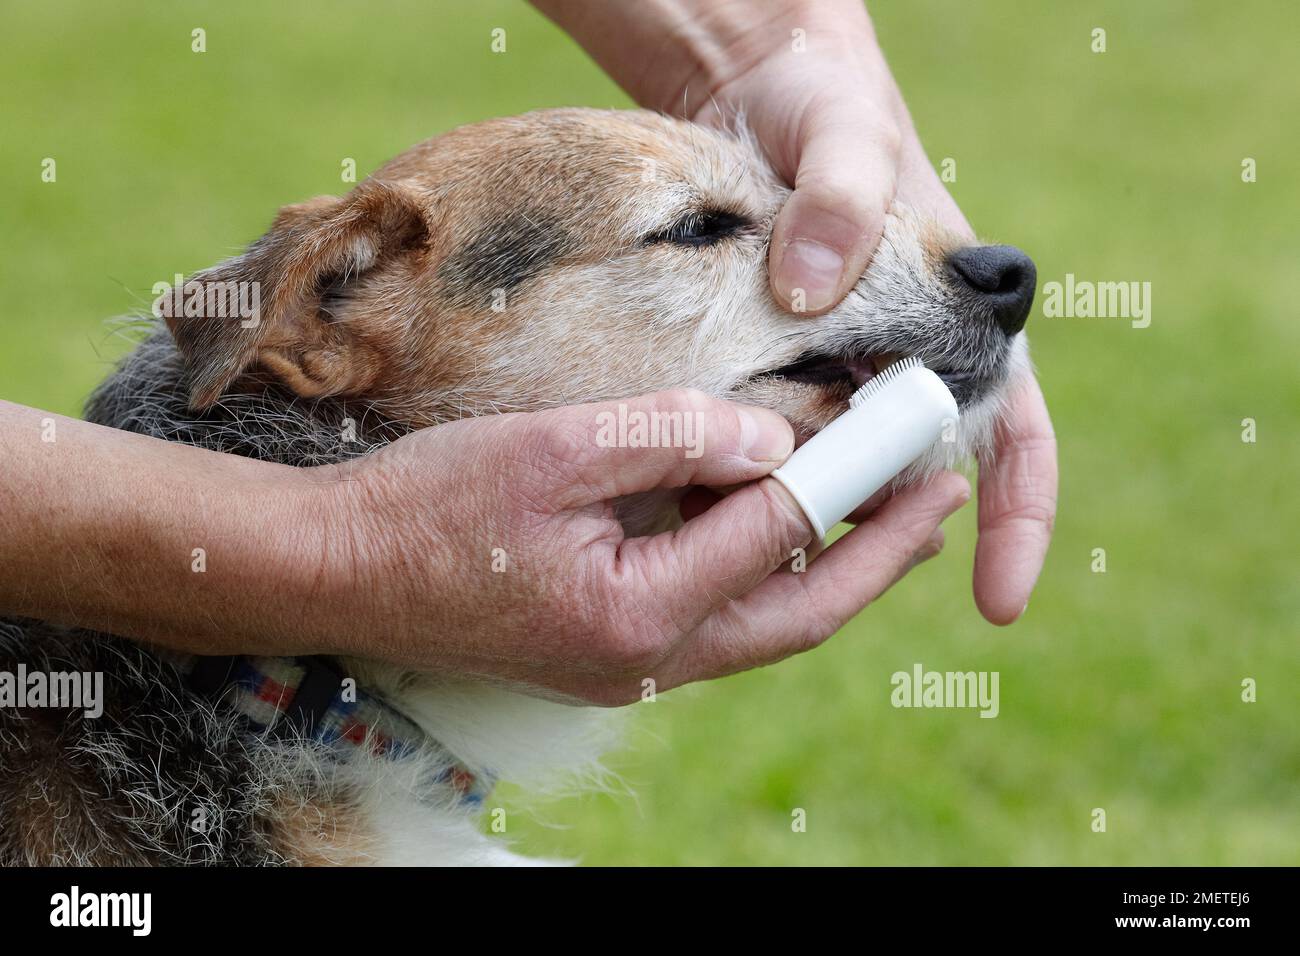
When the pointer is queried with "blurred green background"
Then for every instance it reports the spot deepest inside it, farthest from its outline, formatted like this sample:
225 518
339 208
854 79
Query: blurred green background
1119 690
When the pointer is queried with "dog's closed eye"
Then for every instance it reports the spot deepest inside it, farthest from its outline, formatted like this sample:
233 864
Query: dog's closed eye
700 228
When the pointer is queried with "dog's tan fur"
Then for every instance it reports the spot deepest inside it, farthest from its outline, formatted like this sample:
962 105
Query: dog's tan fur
504 266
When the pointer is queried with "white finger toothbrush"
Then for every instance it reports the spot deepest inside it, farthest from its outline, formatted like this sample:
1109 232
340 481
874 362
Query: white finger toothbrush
891 421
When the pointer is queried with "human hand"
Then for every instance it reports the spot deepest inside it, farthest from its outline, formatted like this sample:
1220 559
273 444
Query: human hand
815 88
489 548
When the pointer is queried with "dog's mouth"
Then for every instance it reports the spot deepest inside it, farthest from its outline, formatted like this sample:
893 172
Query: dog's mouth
848 373
824 369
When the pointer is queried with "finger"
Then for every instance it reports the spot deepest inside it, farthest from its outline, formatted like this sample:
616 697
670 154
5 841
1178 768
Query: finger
1017 506
790 612
932 548
830 226
593 453
714 558
864 511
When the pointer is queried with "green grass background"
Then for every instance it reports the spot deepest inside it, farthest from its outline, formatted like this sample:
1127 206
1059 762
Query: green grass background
1118 690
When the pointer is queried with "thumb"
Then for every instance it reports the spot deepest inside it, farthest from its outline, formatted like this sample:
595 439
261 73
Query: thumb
720 555
585 454
832 222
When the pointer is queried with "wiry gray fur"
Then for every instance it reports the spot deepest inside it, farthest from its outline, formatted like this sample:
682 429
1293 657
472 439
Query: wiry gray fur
149 394
160 777
163 776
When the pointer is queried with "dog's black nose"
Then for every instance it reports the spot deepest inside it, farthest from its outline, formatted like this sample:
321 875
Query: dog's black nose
1003 277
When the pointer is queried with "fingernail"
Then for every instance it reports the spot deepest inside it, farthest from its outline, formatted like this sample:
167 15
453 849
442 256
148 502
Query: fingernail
959 502
809 274
764 435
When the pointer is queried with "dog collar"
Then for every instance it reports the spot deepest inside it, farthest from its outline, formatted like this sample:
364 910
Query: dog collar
308 697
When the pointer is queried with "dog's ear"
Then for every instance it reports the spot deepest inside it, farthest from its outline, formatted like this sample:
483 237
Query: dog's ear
270 308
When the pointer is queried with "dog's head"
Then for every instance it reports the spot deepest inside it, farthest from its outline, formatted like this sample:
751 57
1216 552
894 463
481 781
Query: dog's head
578 255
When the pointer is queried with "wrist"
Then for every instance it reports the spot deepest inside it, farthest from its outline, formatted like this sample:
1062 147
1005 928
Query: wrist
324 565
724 44
673 55
356 565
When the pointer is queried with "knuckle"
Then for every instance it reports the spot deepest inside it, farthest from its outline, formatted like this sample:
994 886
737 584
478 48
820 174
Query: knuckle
554 454
887 135
813 634
781 525
683 400
820 618
895 544
1037 508
614 637
632 648
563 442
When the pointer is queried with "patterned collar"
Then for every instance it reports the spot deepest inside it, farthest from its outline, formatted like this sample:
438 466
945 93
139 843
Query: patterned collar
309 697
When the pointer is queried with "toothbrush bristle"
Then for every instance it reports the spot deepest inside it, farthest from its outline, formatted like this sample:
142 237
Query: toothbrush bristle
882 379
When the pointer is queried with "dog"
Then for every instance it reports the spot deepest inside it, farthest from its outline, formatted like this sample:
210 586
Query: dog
563 256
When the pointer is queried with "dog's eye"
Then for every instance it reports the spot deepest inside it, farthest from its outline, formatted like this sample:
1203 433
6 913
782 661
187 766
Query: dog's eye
700 229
